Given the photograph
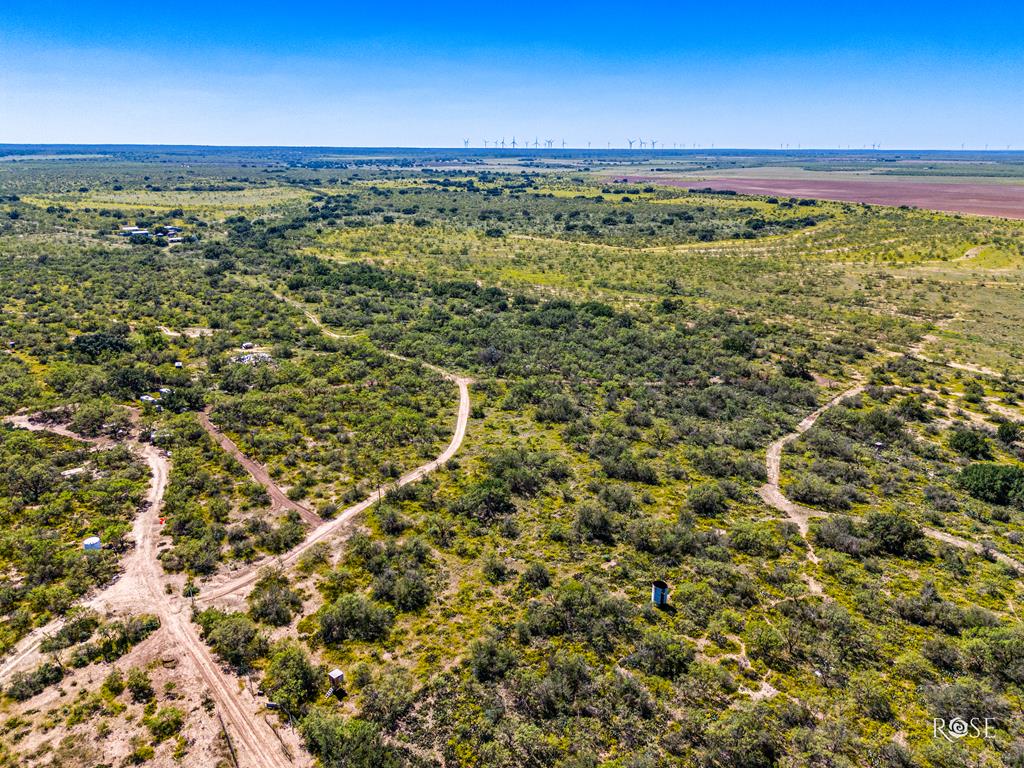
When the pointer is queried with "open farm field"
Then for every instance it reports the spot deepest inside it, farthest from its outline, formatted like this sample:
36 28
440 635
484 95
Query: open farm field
939 194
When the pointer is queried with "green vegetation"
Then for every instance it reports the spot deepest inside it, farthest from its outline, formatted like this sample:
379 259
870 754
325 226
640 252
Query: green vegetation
55 492
634 350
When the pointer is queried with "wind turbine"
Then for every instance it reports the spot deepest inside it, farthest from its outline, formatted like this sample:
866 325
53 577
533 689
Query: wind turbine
642 143
631 142
653 142
502 142
485 143
536 143
465 143
513 142
563 143
549 143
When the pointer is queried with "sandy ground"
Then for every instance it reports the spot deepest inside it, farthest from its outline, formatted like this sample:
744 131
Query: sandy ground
143 587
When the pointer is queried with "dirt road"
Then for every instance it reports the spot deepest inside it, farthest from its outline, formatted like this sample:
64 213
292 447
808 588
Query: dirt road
235 583
770 491
141 587
772 495
242 579
973 546
142 583
278 498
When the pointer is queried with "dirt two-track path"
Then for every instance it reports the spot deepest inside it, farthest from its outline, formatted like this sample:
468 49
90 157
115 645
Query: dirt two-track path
800 515
239 582
278 498
143 587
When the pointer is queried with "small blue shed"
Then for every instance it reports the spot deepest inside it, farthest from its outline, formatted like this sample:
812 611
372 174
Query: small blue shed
659 593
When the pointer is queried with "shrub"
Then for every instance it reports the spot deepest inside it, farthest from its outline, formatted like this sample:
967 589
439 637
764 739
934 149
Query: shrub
970 443
896 534
233 636
353 617
113 684
536 576
489 659
407 590
25 685
485 501
994 483
388 698
579 609
166 722
662 654
272 601
291 679
707 500
843 535
346 743
1008 432
870 693
494 569
139 685
594 523
558 409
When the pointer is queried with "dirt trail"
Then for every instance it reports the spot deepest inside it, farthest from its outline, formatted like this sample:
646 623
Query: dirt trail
248 575
770 491
772 495
973 546
141 585
243 578
278 498
141 588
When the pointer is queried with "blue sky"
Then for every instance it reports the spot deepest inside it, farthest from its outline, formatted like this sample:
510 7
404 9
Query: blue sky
732 74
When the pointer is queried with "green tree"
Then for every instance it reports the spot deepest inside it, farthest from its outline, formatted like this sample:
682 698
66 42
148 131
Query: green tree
346 743
272 600
139 685
353 617
291 679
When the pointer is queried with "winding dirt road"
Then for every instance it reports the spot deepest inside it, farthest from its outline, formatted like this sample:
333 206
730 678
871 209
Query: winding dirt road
770 492
142 585
772 495
244 578
241 579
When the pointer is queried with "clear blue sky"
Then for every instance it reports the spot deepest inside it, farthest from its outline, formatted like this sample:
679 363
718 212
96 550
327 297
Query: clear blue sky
736 74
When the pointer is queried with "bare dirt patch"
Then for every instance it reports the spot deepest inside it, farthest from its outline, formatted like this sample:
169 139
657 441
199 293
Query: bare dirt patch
1005 200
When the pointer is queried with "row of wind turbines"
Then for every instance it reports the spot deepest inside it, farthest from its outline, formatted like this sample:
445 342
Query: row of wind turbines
550 143
643 144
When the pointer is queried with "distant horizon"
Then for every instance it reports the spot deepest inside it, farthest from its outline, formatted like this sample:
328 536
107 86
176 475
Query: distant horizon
527 150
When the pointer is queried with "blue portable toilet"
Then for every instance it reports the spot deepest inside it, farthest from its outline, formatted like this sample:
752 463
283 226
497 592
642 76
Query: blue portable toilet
92 543
659 593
